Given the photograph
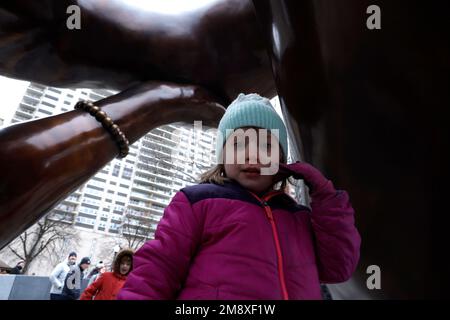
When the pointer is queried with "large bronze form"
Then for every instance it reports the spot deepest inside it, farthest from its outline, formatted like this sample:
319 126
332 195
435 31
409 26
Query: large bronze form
365 106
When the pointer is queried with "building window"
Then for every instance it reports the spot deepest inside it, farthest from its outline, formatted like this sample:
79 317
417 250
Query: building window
95 185
50 97
118 209
92 193
54 90
116 170
158 206
127 172
85 209
98 179
44 111
85 222
47 104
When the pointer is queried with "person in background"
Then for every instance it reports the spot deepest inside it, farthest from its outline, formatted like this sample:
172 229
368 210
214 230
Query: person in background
72 283
59 274
96 272
108 285
18 269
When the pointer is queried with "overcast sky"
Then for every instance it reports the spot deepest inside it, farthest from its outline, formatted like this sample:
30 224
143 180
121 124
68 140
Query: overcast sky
11 92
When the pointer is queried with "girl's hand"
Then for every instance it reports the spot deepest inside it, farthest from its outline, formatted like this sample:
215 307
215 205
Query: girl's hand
313 178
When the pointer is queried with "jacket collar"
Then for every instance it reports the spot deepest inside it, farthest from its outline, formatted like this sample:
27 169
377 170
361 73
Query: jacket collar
119 275
265 196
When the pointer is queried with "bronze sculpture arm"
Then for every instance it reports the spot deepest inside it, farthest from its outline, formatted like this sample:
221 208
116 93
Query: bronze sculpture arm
44 160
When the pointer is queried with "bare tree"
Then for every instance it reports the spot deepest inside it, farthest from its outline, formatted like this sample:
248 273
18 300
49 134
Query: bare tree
106 252
45 236
58 250
137 227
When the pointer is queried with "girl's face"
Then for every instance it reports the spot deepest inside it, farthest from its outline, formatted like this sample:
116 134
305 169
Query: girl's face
248 172
125 265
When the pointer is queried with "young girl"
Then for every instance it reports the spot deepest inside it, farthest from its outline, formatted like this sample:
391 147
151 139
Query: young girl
236 236
108 285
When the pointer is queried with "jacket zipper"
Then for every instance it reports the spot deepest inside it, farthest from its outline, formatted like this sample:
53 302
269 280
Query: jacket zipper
269 215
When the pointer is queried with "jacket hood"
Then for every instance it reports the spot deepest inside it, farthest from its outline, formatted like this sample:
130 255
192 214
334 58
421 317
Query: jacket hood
119 256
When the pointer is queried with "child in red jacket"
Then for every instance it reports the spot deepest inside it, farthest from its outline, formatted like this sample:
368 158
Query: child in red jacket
108 285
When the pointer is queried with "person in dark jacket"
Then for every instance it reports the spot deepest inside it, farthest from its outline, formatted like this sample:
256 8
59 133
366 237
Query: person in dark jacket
72 283
59 274
18 269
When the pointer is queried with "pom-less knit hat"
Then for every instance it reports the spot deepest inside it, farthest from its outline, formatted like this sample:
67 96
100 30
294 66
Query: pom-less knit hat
250 110
85 260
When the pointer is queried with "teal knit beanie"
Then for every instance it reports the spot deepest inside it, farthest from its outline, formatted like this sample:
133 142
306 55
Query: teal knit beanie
250 110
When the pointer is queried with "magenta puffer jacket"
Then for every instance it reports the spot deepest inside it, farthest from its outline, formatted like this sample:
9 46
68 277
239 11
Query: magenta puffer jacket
221 242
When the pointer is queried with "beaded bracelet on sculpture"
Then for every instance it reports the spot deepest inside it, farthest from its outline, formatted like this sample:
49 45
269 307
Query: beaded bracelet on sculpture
107 123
